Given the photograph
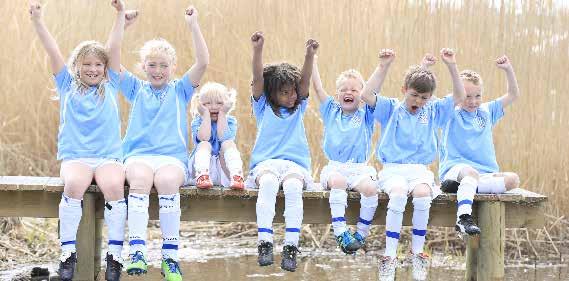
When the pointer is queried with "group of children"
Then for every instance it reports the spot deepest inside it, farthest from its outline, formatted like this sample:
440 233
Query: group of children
154 150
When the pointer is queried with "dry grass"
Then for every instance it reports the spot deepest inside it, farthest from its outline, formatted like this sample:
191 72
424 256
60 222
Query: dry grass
533 35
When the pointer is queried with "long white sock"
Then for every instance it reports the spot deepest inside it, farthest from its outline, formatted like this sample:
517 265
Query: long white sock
115 219
368 205
266 200
233 162
494 185
421 207
70 211
465 195
169 215
137 222
394 221
338 203
201 161
293 210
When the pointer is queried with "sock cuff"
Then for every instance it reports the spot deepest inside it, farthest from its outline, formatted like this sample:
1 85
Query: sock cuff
422 203
397 203
369 202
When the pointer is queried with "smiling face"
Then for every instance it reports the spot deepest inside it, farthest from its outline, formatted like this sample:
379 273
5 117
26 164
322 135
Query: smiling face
415 100
91 70
473 96
158 69
213 104
349 95
287 96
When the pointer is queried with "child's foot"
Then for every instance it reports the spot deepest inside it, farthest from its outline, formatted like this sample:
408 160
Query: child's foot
67 263
420 263
137 264
347 243
265 250
387 266
114 268
237 183
465 225
203 182
360 239
288 255
171 270
449 186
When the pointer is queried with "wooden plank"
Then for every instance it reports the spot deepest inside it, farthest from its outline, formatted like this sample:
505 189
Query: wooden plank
472 245
86 237
491 218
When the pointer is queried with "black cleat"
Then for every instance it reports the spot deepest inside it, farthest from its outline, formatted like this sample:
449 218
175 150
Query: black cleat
114 268
449 186
265 250
67 266
465 225
288 255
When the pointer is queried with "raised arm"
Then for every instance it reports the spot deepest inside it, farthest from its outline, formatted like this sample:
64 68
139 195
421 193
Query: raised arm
458 93
47 40
375 82
317 82
306 72
428 60
116 36
201 53
257 39
513 89
204 132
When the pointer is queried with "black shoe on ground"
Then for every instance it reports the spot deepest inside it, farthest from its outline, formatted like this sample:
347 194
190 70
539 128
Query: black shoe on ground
449 186
288 255
465 225
67 267
114 268
265 250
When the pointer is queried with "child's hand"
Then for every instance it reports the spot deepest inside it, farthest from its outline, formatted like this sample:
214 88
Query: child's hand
226 107
447 55
386 57
311 47
118 5
504 63
258 39
429 60
202 110
191 15
130 17
35 10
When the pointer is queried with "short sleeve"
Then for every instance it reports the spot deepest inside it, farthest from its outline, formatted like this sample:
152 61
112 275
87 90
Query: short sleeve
196 122
327 108
383 109
63 80
444 110
368 115
130 85
114 78
231 130
185 88
496 111
259 105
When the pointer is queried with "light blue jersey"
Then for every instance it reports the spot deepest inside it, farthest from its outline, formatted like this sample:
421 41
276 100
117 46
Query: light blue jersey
347 138
408 138
89 125
467 139
279 137
214 140
158 123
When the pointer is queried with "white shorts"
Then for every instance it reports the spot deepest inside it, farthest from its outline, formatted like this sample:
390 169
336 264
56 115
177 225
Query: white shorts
353 172
216 173
454 172
156 162
407 176
281 168
93 163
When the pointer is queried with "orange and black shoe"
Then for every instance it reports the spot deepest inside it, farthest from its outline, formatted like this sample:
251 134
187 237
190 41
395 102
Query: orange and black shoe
203 182
237 183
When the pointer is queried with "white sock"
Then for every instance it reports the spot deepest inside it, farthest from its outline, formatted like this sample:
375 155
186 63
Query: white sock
368 205
266 200
338 202
293 210
201 162
494 185
137 222
394 221
169 215
115 219
70 211
421 207
233 162
465 195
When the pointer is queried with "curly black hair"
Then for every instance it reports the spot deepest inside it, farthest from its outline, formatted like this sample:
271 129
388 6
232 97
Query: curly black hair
275 77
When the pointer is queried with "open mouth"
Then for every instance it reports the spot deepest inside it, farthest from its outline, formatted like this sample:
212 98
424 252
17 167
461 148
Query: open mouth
348 99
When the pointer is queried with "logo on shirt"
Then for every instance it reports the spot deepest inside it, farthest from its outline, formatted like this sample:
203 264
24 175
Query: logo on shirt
480 122
423 117
356 121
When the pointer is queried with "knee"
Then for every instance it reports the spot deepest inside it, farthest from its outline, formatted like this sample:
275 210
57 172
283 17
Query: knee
204 145
511 180
398 190
336 181
228 144
469 172
75 185
397 203
421 190
367 187
170 179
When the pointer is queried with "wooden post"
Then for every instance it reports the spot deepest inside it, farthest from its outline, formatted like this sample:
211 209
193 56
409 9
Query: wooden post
491 217
86 250
472 244
98 245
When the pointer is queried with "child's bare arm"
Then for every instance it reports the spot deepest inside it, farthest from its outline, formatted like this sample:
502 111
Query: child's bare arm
204 132
513 89
201 53
428 60
317 83
458 93
306 72
116 36
375 81
257 39
47 40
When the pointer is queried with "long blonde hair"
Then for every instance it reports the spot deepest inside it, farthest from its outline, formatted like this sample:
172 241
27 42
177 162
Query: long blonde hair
74 64
214 91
